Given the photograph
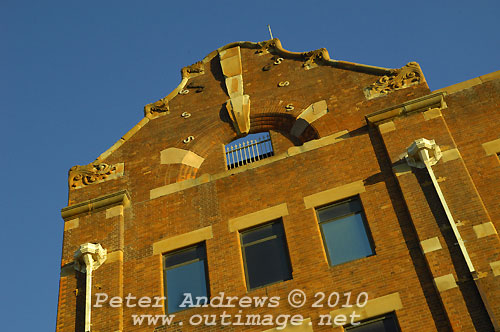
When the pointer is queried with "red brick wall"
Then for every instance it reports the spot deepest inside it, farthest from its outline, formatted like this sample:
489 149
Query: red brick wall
398 210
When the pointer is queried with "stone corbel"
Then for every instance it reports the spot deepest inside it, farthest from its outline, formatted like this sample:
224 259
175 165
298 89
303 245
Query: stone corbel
396 79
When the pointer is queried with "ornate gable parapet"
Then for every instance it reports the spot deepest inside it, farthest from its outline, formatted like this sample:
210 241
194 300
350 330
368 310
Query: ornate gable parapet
81 176
396 79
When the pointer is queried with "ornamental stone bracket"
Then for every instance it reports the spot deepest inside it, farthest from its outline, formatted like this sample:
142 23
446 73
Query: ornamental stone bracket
421 152
396 79
238 106
92 253
81 176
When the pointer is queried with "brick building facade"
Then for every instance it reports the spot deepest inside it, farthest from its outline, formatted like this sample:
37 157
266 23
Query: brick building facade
372 191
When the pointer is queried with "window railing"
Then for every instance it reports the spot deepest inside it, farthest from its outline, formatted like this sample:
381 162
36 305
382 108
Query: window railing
249 149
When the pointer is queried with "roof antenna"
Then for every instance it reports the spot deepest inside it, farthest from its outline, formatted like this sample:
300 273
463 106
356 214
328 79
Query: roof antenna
269 27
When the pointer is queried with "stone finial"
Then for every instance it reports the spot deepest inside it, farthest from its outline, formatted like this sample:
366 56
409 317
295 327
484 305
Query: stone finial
421 152
95 251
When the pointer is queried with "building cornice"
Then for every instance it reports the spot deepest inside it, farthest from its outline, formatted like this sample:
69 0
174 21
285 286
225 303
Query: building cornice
422 104
121 197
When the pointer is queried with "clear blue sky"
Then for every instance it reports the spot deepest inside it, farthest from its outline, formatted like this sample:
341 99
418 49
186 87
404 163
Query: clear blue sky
75 76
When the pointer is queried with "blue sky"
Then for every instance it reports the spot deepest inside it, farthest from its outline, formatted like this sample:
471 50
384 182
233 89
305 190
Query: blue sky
75 76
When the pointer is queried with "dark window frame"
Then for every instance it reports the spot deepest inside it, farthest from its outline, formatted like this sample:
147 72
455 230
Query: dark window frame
199 247
390 315
274 236
363 218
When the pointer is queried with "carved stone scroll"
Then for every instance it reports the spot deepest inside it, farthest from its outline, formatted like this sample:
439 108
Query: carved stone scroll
195 69
313 57
153 110
81 176
397 79
265 46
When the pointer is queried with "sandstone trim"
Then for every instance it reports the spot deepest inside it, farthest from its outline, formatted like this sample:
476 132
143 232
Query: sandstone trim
484 230
205 178
114 211
182 240
121 197
374 307
181 156
334 194
449 155
430 245
495 267
257 218
386 127
71 224
492 147
305 326
421 104
312 113
445 282
470 83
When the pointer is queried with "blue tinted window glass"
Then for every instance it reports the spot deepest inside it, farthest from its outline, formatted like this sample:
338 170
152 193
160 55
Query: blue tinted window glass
346 239
189 278
267 262
266 255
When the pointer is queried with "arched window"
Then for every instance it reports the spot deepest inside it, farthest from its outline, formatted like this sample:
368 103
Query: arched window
248 149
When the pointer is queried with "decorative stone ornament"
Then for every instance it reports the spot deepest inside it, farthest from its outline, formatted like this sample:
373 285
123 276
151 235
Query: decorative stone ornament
156 108
313 57
188 139
395 80
80 176
95 251
421 152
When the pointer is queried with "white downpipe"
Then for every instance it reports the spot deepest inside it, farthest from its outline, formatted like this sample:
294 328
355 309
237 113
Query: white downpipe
92 255
424 153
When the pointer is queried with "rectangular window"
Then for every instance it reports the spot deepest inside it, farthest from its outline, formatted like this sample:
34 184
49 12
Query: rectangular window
185 271
265 255
344 231
386 323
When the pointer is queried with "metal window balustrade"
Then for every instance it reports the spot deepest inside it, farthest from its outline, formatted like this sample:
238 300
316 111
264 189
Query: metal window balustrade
248 149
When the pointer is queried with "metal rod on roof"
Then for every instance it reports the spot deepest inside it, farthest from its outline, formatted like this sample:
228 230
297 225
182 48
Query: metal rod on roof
269 27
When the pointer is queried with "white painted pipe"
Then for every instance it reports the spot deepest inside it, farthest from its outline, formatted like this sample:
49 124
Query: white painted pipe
92 255
424 157
418 156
